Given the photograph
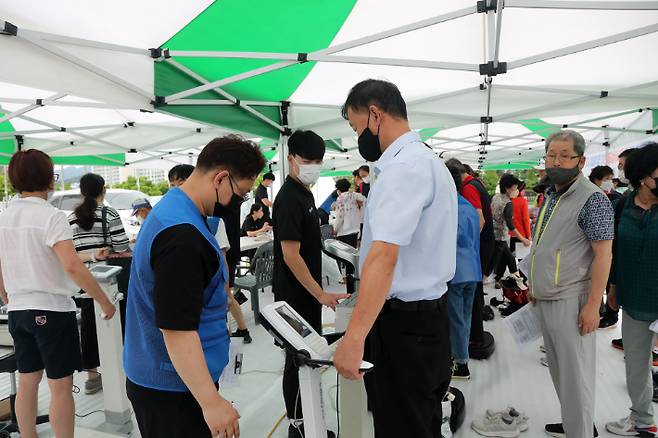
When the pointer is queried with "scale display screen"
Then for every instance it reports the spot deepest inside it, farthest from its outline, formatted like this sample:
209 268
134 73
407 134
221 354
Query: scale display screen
293 321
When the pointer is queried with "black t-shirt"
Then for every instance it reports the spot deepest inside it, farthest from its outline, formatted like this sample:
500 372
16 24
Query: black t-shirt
232 223
183 264
296 218
250 224
261 193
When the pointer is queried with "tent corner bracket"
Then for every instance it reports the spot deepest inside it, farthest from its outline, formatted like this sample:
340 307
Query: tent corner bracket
484 6
491 69
9 29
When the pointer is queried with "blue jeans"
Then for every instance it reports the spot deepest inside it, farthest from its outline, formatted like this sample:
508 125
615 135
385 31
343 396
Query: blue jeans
460 309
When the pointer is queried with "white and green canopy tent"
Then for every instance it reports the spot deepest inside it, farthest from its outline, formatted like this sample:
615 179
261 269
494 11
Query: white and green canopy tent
485 81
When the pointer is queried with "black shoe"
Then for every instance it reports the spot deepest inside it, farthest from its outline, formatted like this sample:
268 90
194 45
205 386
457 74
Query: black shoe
618 344
608 322
244 334
460 371
298 432
240 297
557 430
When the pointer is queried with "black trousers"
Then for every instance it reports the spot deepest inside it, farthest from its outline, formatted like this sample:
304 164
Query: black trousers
411 354
88 336
166 414
512 244
350 239
503 259
487 248
291 393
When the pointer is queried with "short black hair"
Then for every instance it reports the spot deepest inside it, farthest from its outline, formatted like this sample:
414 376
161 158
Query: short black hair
356 173
343 185
375 92
255 207
456 177
241 157
180 171
269 176
600 172
641 163
626 153
453 162
364 168
508 180
306 144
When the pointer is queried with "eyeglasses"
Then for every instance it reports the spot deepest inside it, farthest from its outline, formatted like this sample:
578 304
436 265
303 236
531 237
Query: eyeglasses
560 158
245 197
57 176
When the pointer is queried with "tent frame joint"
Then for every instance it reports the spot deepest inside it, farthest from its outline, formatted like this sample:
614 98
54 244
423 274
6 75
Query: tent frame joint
159 52
9 29
302 58
493 68
486 119
604 94
484 6
158 101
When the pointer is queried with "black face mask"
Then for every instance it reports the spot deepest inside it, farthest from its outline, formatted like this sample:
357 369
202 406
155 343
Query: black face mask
561 176
223 211
369 147
655 190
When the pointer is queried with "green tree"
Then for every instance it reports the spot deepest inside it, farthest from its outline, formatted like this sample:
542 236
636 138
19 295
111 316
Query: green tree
146 186
10 189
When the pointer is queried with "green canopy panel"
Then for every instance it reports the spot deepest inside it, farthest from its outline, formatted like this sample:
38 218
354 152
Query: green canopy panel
540 127
520 165
654 119
293 27
334 144
335 173
427 133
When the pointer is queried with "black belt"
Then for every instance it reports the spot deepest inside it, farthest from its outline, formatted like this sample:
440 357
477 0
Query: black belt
396 305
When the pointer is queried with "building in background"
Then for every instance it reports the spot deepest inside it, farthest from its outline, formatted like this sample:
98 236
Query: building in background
116 175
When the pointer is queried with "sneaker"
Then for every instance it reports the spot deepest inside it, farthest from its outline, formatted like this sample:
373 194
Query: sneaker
618 344
94 385
543 361
520 282
460 371
298 432
557 430
244 334
497 426
542 349
625 427
608 322
520 419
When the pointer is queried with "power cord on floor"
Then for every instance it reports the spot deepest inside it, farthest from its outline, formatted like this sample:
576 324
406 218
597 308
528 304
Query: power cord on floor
76 390
88 413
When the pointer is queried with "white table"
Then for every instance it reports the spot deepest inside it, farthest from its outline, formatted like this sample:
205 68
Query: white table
247 243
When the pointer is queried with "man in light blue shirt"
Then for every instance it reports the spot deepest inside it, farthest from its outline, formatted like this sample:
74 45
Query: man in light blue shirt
407 257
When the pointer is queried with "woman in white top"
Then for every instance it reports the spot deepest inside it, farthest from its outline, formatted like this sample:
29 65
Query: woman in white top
40 272
349 209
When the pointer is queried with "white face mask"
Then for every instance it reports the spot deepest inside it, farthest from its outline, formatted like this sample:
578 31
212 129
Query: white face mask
607 186
622 177
366 180
308 173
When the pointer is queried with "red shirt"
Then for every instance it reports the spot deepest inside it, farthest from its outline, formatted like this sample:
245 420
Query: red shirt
471 193
521 216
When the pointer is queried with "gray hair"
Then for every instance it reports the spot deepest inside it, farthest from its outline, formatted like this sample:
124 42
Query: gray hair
568 134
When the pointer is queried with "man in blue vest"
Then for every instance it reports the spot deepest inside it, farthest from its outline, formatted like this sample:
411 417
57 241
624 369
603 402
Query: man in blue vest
177 340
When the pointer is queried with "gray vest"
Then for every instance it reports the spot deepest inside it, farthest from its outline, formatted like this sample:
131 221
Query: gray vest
561 257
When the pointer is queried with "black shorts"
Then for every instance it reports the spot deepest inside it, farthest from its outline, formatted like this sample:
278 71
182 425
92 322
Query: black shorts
166 414
46 339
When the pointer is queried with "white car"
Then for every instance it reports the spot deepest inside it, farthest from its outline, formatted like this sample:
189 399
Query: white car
119 199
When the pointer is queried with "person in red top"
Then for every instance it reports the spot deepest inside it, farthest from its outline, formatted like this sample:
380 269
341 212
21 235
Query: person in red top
521 219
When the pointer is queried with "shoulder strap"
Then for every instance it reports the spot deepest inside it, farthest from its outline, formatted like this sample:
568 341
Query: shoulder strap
104 224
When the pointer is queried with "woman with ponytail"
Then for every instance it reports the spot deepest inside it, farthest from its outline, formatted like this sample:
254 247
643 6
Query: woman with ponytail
97 232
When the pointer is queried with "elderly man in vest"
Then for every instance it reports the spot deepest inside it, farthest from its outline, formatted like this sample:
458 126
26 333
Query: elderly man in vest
569 266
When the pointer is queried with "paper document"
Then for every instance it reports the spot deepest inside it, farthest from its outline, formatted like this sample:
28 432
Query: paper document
229 377
524 325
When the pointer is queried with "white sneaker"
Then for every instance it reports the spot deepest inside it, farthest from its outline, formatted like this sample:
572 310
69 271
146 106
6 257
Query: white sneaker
502 426
626 427
542 349
543 361
520 419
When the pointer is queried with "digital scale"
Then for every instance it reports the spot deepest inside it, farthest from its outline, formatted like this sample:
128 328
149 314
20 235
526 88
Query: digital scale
293 333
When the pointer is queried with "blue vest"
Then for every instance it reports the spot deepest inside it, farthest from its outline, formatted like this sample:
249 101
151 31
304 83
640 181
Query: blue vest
145 357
